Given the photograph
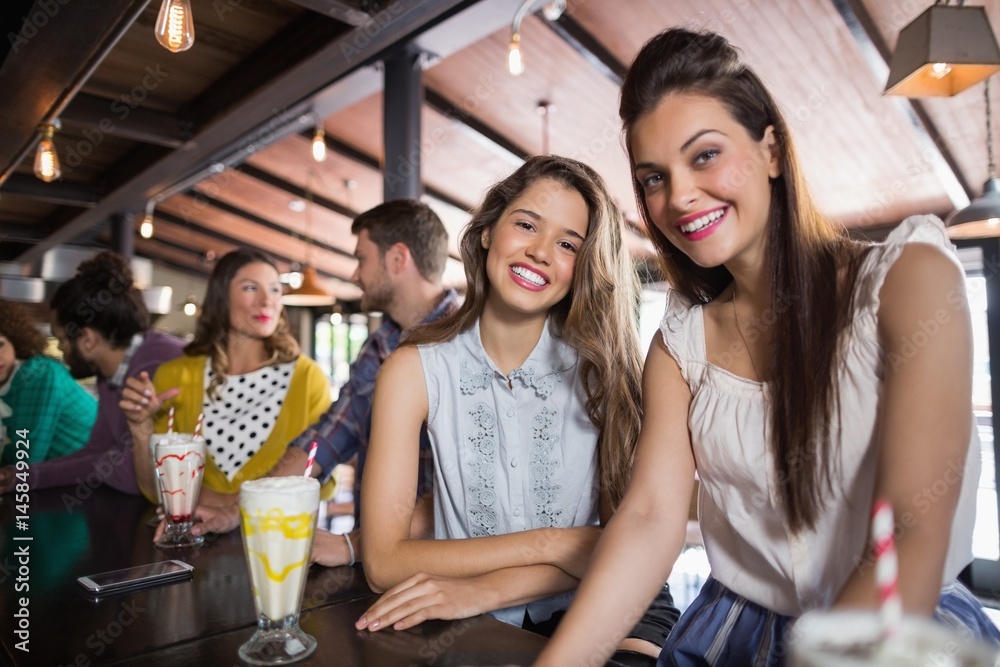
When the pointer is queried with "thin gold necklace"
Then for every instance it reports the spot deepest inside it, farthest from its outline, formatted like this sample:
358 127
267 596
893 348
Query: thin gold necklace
739 330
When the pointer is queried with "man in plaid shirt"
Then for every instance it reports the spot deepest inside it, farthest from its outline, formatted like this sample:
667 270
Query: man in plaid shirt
402 249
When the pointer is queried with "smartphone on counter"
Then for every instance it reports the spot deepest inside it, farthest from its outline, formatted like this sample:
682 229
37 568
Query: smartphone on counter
135 578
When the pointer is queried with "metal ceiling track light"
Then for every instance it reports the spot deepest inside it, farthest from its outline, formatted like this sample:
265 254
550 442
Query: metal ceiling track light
981 218
552 10
175 25
943 51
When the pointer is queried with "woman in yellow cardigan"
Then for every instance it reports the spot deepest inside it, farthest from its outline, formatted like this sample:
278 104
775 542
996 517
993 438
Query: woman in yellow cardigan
242 372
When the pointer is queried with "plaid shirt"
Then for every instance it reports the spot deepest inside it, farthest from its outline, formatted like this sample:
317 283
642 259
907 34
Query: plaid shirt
345 427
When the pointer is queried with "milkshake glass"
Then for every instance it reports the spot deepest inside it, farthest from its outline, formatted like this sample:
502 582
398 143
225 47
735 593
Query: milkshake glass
278 517
180 465
854 639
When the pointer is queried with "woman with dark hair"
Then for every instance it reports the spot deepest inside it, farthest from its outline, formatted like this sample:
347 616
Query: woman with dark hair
530 393
785 373
40 404
242 372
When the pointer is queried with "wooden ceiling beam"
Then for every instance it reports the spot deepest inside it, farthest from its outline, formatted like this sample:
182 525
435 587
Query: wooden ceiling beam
11 232
58 47
291 46
171 254
372 162
145 125
267 177
64 193
443 106
177 230
255 219
589 47
875 52
351 13
255 118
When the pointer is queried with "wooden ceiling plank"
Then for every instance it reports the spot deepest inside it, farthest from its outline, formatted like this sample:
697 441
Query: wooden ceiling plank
55 52
146 125
256 114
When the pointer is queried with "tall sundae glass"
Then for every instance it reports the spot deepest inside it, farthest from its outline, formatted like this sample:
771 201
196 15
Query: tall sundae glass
278 517
180 466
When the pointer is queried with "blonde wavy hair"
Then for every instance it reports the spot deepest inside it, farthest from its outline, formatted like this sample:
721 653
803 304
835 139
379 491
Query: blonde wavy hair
598 317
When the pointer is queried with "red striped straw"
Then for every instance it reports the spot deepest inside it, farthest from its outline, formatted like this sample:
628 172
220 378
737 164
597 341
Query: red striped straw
886 567
310 459
197 425
170 420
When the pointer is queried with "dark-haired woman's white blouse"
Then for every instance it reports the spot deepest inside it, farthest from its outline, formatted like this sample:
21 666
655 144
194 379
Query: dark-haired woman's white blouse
748 545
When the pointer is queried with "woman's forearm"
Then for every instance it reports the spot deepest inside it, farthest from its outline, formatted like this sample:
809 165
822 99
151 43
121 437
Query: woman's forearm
520 585
564 548
620 584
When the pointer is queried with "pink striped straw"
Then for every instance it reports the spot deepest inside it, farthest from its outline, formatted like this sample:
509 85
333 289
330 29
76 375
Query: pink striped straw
170 420
310 459
197 426
886 567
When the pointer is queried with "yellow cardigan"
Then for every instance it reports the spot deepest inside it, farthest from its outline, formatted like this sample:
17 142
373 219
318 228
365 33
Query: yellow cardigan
308 398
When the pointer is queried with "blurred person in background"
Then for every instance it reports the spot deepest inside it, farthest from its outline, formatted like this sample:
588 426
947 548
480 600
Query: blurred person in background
44 413
102 325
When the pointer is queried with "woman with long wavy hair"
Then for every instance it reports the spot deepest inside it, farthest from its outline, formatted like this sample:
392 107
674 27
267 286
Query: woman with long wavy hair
242 372
530 393
784 373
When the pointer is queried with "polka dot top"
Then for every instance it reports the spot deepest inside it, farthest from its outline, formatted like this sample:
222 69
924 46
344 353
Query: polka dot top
237 423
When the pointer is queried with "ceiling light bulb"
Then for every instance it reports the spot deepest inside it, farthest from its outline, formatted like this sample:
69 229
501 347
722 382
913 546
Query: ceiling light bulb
190 308
146 228
940 70
319 146
46 160
175 25
515 65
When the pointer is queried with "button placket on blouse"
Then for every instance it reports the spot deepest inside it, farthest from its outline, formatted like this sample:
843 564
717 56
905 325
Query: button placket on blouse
515 472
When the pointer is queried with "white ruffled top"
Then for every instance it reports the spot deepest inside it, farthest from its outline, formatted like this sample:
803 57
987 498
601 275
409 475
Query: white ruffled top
748 545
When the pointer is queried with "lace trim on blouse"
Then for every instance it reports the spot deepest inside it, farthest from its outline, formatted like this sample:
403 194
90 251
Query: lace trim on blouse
482 491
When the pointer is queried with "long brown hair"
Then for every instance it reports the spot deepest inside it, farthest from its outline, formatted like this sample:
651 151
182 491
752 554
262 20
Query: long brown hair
211 336
597 317
812 264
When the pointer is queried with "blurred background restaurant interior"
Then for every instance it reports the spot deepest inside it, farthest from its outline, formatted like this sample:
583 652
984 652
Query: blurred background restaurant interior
177 155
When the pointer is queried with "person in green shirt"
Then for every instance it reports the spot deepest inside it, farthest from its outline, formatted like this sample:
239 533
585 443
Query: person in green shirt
43 411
